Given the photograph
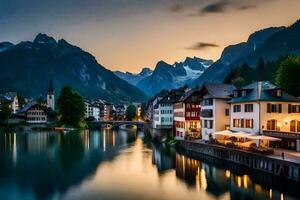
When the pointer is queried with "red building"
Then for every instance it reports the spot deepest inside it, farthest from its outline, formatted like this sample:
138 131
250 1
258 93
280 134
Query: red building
187 115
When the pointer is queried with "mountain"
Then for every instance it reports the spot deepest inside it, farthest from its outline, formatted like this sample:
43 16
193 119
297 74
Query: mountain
267 43
27 67
166 76
5 45
133 79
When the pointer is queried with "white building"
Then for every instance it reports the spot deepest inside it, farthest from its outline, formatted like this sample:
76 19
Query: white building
215 109
92 110
151 104
34 113
163 110
264 108
12 97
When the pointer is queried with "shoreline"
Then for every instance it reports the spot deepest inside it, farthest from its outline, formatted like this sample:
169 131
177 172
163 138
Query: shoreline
268 164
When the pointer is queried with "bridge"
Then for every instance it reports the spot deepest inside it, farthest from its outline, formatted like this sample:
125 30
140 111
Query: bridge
115 124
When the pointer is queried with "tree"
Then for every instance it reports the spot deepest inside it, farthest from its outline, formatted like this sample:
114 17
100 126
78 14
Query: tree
260 69
4 112
130 112
21 101
288 75
70 106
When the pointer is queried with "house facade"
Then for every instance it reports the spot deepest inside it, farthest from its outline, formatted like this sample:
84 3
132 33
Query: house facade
264 108
34 113
187 115
92 110
215 109
164 111
12 97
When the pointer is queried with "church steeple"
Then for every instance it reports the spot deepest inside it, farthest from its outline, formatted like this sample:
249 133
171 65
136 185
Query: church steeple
51 90
50 96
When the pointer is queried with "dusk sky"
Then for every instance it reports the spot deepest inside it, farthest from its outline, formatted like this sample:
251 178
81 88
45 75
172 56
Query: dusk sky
127 35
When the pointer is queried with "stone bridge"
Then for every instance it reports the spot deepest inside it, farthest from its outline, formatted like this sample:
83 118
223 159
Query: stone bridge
115 124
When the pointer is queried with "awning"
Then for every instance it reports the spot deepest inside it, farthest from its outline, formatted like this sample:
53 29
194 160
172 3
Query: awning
229 133
263 137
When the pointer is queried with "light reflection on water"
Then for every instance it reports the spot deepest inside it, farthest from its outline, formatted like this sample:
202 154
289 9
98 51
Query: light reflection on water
119 165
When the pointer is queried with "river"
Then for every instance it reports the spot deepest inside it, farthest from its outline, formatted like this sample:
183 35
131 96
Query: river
114 165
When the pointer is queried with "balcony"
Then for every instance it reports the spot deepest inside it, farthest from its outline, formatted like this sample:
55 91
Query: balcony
280 134
206 113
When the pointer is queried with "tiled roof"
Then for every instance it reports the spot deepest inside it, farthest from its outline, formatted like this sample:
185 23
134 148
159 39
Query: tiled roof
262 91
30 105
219 90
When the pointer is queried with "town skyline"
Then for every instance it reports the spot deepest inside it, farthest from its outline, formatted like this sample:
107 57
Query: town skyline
127 36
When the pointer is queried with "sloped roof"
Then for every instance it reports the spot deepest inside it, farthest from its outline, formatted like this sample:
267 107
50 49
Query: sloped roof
32 104
262 91
219 90
187 94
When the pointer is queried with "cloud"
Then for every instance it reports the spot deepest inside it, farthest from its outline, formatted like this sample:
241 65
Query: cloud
202 45
217 7
177 8
246 7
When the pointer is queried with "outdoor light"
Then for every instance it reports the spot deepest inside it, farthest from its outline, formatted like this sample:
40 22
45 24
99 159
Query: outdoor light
286 122
278 124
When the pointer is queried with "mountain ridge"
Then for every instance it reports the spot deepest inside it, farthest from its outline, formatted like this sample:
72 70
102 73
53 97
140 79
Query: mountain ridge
68 64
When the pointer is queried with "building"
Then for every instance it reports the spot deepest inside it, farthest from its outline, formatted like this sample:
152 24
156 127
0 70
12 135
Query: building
138 107
264 108
120 112
34 113
163 110
151 103
106 109
187 115
12 98
92 110
50 96
215 109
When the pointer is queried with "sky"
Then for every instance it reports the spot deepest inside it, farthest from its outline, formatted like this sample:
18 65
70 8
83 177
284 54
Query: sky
128 35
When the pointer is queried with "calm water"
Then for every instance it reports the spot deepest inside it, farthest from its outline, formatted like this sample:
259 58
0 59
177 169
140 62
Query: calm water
120 165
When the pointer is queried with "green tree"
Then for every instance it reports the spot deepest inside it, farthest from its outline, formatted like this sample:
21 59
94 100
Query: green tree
130 112
288 75
260 69
70 106
239 82
4 112
21 101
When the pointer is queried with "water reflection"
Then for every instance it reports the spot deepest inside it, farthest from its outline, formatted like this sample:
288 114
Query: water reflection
120 165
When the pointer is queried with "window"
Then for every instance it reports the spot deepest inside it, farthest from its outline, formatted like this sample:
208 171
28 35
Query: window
248 123
235 94
295 126
208 124
272 125
236 123
244 93
279 93
242 123
248 107
237 108
208 102
294 108
227 112
274 108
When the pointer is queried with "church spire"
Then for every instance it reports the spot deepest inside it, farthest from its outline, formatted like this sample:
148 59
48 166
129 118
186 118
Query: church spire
51 90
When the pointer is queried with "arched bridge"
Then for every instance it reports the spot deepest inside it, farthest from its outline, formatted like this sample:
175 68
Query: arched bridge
115 124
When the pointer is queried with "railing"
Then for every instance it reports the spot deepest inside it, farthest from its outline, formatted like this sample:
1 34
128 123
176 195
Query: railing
282 134
207 113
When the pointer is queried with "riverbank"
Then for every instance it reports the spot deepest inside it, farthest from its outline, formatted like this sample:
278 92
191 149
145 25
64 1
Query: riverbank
288 169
